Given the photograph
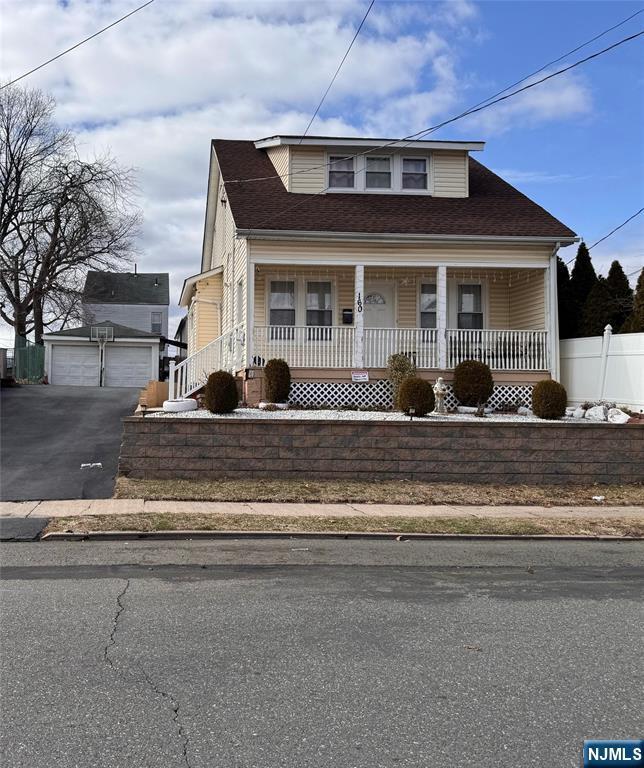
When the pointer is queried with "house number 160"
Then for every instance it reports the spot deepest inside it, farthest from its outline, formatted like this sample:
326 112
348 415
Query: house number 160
359 303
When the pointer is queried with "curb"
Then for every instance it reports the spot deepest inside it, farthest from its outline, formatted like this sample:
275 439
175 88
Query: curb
206 535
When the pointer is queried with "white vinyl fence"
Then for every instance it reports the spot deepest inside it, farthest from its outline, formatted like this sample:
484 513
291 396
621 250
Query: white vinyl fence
608 367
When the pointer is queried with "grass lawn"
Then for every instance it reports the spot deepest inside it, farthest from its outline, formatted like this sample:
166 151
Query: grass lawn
376 492
447 525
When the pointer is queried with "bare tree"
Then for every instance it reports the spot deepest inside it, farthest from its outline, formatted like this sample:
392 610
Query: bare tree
60 216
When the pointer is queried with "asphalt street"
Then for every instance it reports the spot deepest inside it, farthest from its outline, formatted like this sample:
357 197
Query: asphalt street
47 432
332 654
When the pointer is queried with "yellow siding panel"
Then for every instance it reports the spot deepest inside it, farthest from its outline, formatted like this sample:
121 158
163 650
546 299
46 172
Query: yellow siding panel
450 173
207 308
527 302
279 156
308 172
499 309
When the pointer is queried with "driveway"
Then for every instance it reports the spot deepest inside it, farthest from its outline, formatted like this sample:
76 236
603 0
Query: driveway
47 432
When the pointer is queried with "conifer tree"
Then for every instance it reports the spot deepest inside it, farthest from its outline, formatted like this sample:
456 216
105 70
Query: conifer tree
583 276
635 321
597 309
622 296
568 310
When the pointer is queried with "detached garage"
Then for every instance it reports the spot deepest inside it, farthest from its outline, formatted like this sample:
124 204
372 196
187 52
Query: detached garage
102 355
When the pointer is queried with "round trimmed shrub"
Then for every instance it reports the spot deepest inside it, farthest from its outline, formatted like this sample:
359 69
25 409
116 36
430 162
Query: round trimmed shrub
473 384
549 399
399 368
220 393
415 393
278 380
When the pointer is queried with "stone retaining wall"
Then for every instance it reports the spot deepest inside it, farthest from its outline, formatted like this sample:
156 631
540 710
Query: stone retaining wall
417 450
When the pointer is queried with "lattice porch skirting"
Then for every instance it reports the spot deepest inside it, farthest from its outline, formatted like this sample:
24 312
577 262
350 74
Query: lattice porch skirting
379 394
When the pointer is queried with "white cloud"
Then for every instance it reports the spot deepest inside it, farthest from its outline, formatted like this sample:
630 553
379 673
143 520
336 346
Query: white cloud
517 176
157 88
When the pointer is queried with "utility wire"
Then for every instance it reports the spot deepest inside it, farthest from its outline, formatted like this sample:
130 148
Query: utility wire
472 110
73 47
428 130
337 71
612 232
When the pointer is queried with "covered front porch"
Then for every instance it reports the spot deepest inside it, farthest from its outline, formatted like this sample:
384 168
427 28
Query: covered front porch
356 317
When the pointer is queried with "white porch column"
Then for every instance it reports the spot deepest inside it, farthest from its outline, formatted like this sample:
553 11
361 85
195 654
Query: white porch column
358 317
553 315
441 314
250 311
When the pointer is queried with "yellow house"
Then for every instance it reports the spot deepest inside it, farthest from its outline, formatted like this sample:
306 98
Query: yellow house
334 253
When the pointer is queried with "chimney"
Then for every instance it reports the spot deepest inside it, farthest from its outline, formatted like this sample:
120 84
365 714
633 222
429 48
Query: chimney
135 268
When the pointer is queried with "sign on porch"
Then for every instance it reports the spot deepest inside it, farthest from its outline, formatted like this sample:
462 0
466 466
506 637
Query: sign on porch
359 375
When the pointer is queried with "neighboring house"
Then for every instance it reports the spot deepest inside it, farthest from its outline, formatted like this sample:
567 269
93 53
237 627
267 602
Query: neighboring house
334 253
134 299
102 355
126 321
181 337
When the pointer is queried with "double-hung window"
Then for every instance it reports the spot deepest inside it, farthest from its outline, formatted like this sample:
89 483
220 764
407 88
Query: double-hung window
414 173
318 310
378 173
155 322
341 172
470 309
428 305
281 309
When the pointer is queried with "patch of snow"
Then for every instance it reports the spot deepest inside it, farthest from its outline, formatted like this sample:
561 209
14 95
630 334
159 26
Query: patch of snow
579 413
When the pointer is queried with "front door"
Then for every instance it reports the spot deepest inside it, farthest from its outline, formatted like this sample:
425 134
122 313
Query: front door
379 304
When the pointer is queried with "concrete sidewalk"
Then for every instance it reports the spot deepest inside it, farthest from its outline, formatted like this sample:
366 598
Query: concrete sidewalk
78 507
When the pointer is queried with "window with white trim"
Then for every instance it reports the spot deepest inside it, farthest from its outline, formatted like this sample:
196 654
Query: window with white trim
341 172
428 305
155 322
378 172
281 308
470 307
318 309
414 173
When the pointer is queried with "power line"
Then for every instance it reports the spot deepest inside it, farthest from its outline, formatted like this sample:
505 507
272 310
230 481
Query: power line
612 232
634 272
415 136
73 47
337 71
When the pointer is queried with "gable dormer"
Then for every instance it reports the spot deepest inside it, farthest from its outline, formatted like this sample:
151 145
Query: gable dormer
316 164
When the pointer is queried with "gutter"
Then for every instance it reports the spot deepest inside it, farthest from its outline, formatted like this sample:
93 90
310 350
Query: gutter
288 234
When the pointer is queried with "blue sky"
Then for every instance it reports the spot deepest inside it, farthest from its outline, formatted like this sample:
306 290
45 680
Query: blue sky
154 90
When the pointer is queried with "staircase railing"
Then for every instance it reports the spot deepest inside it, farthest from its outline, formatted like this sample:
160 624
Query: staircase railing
225 353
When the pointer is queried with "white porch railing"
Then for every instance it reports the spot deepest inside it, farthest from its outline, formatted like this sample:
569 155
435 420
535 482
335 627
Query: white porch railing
225 353
304 346
419 344
501 350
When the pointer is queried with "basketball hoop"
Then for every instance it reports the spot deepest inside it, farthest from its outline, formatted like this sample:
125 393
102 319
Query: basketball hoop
101 333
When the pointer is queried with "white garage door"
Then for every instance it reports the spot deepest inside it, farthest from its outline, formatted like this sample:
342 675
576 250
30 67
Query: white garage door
127 366
75 365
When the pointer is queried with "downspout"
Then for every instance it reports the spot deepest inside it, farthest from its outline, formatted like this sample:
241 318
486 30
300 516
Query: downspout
555 371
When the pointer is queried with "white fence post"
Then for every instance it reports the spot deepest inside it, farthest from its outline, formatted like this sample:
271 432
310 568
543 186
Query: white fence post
358 318
171 377
608 332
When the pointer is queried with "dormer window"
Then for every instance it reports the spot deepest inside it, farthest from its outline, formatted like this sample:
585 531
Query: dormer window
378 173
341 172
414 173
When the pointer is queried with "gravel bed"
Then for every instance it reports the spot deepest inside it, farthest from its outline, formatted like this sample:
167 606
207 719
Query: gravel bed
334 415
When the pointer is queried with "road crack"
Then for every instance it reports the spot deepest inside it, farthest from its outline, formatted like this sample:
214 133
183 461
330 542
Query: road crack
107 657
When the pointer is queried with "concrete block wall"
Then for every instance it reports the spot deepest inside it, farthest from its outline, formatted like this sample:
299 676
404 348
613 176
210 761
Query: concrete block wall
417 450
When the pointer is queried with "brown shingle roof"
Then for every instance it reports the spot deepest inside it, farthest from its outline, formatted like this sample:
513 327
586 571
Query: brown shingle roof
494 207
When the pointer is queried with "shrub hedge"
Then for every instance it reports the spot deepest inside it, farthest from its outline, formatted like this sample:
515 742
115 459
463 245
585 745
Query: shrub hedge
278 380
473 383
549 399
415 393
220 393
